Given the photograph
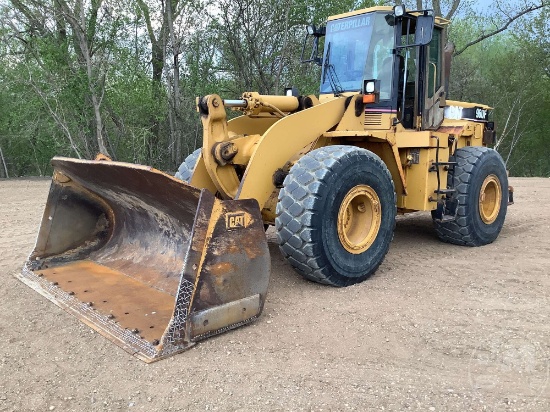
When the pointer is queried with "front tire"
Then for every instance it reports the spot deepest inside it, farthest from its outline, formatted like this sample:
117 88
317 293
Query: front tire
481 187
185 171
336 215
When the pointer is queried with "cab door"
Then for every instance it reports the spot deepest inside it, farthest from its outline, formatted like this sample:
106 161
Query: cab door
434 86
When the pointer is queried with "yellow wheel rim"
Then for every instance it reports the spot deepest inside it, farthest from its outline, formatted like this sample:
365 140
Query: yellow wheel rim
359 219
490 198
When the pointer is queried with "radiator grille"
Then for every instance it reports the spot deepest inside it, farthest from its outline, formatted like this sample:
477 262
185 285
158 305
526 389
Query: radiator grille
373 119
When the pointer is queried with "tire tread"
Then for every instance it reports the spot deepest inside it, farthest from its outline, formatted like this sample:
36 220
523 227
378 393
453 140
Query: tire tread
461 231
297 205
185 171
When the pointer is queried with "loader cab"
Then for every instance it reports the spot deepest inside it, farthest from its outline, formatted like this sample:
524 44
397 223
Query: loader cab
420 83
358 47
399 54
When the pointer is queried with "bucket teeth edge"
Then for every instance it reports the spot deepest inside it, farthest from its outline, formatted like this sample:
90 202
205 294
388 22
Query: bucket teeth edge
109 328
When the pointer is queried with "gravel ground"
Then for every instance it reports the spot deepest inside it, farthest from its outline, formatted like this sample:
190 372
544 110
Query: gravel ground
437 328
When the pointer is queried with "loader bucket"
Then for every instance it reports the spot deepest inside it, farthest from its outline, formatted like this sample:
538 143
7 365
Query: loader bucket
148 261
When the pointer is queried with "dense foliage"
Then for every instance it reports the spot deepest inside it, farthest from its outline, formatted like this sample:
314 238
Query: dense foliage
86 76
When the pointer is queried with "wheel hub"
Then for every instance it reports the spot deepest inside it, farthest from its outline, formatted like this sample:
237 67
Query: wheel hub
359 219
490 199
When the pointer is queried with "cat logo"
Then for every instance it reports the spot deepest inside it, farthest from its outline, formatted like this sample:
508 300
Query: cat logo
235 220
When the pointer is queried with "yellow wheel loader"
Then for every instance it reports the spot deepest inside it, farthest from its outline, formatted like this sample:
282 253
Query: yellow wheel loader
156 263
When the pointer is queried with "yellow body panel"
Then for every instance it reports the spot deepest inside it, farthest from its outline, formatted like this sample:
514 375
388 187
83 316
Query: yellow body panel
467 104
358 12
421 190
415 139
251 125
351 122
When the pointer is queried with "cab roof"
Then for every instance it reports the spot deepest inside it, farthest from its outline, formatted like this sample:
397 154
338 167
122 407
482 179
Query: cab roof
439 21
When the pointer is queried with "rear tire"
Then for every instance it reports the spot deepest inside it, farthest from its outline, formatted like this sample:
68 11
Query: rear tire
185 171
481 187
336 215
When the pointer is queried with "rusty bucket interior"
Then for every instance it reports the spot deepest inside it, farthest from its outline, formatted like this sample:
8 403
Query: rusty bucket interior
148 261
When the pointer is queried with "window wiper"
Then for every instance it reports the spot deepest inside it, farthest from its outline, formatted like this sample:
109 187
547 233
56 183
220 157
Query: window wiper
327 63
333 77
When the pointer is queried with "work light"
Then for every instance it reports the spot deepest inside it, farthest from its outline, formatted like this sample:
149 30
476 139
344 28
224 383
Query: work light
399 10
369 86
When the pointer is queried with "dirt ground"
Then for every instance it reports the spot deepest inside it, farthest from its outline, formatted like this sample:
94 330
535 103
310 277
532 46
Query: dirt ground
437 328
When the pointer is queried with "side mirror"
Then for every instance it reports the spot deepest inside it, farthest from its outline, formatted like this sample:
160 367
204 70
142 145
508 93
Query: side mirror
424 30
316 33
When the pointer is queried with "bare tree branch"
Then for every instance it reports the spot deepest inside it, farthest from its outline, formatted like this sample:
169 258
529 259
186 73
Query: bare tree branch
60 122
437 7
454 8
510 20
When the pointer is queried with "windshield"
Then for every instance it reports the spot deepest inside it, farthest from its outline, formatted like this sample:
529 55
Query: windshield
358 48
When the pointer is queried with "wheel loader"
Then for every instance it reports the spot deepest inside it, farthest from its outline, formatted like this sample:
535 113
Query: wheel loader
156 263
